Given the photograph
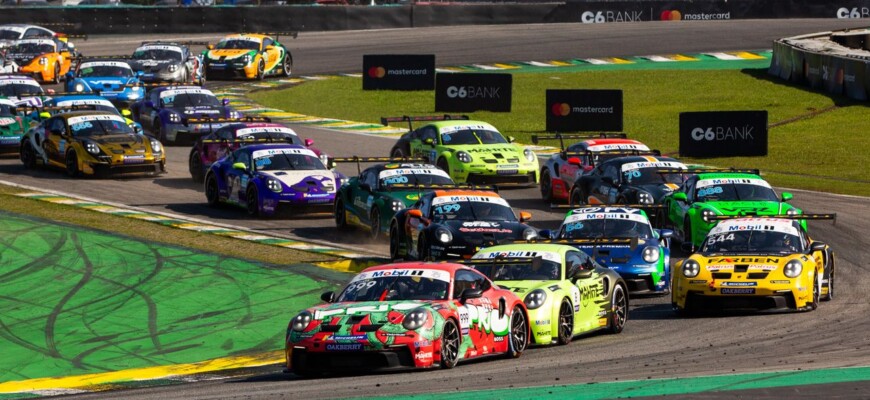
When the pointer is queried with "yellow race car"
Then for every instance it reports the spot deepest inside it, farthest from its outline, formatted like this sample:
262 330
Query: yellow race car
755 263
47 60
248 55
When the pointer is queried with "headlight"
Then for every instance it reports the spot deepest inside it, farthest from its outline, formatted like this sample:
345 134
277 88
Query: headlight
463 157
133 95
415 319
79 87
793 268
92 148
644 198
43 61
443 235
530 155
247 59
324 158
651 254
174 118
273 185
530 233
792 211
236 114
707 215
173 68
535 299
398 206
691 268
155 146
301 321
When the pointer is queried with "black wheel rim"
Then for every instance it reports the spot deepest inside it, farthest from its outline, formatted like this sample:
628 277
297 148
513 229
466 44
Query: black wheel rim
339 214
72 164
816 291
620 309
397 153
195 165
211 191
424 249
518 331
450 344
546 189
687 232
286 65
376 224
261 69
253 207
566 321
394 243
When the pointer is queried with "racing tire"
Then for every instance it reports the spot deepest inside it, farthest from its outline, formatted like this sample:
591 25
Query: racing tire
394 242
72 164
195 165
423 251
518 334
375 221
340 215
56 78
212 195
830 284
686 244
28 155
817 289
444 165
566 323
450 345
261 70
287 65
577 197
619 310
157 130
546 185
252 200
398 153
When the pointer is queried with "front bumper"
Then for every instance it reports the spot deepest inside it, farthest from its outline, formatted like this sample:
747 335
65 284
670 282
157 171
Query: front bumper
406 352
229 70
10 144
123 165
498 174
761 295
177 76
288 203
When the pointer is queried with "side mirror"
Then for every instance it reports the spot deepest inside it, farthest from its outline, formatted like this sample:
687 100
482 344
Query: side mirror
137 129
328 297
786 196
525 216
69 75
817 246
44 115
225 102
330 164
429 141
582 273
545 234
680 196
511 139
469 294
665 233
270 47
210 47
415 213
149 104
125 112
240 166
574 161
309 142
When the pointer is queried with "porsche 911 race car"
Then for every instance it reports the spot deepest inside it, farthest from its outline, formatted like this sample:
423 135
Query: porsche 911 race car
720 192
168 62
565 291
562 169
470 151
47 60
167 110
644 262
22 90
91 143
755 263
269 178
241 132
12 127
407 315
628 180
113 80
445 224
248 55
10 33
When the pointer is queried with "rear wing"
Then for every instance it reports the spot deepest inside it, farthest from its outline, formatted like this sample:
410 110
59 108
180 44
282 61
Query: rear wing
97 58
30 108
421 118
754 171
221 120
276 35
579 206
632 242
421 186
808 216
171 43
358 160
151 85
572 136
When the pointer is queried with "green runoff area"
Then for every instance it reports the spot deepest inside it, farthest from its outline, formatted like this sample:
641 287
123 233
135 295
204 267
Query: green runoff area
817 141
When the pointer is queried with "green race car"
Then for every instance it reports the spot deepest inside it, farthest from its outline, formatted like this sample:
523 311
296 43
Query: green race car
704 195
565 291
470 151
12 126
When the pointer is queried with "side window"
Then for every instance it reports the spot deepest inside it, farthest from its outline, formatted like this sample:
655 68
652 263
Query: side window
611 171
429 132
57 124
32 33
466 279
426 206
224 134
689 188
243 157
155 98
266 42
573 262
368 177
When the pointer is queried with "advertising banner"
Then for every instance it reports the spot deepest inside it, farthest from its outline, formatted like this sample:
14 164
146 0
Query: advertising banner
723 133
468 92
398 72
584 110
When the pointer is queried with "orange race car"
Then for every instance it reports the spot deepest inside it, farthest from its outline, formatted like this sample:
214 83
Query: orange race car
46 59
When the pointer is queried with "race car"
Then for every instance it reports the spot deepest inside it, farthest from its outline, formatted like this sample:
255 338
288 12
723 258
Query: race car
755 263
12 127
720 192
248 55
10 33
449 224
240 132
627 180
47 60
370 199
470 151
168 62
407 315
166 111
93 143
113 80
565 291
562 169
22 90
267 179
63 102
644 262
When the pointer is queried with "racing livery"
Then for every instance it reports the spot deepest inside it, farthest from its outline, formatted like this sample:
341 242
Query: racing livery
755 263
248 55
168 62
168 110
565 291
371 199
470 151
720 193
62 102
91 143
624 180
12 127
407 315
562 169
644 262
269 178
113 80
47 60
446 224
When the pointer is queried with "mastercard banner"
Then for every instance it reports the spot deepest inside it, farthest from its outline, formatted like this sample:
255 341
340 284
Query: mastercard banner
398 72
584 110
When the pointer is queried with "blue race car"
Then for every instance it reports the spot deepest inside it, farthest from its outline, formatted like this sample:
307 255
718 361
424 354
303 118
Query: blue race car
621 238
114 80
165 111
70 101
269 178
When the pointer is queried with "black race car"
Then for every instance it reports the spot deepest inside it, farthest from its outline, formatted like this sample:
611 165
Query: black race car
450 224
623 180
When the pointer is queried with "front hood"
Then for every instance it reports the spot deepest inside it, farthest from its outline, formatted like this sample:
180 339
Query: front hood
22 58
745 263
226 54
658 190
522 288
746 207
406 197
204 111
127 143
376 310
502 153
106 83
469 230
151 65
304 181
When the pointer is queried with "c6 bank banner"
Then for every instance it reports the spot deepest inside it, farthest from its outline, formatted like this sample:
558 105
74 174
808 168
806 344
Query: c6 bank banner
600 12
723 133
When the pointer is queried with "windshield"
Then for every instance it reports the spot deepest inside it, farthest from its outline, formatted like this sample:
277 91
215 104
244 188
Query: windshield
542 270
283 137
31 48
395 288
99 127
106 70
82 105
472 136
414 176
157 54
464 210
17 89
280 161
753 241
242 44
182 100
735 192
8 34
650 175
605 228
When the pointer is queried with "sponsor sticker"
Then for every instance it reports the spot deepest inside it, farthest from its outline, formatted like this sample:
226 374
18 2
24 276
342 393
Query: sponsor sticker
743 284
87 118
344 346
738 291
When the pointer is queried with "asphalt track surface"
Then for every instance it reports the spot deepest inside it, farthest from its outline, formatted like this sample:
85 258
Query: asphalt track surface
655 344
